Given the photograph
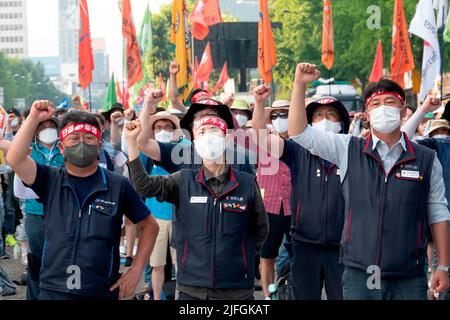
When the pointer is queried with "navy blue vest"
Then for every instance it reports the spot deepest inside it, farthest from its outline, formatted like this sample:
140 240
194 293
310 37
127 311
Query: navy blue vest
317 199
387 212
214 242
85 235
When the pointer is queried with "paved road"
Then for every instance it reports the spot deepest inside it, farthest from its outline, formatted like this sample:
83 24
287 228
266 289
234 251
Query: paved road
15 269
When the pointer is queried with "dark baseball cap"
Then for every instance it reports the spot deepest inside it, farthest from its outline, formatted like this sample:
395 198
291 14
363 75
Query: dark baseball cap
13 110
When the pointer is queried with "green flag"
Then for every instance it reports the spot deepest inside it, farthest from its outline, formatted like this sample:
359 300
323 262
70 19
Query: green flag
146 46
447 30
111 97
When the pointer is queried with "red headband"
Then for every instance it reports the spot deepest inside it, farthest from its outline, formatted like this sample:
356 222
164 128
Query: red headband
215 121
79 127
197 95
379 93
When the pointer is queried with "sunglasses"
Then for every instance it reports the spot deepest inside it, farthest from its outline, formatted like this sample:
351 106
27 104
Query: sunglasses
282 115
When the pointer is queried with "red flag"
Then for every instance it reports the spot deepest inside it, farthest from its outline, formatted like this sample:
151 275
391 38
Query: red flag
222 79
206 65
126 97
86 106
133 56
205 13
377 69
327 36
162 87
85 57
267 56
119 96
197 83
402 59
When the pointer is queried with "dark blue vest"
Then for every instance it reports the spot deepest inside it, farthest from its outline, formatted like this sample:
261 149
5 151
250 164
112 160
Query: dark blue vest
85 235
317 199
387 212
213 239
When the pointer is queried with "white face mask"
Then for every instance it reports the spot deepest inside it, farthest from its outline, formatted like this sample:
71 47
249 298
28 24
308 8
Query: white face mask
241 119
14 122
164 136
210 146
328 126
385 119
48 136
440 136
280 125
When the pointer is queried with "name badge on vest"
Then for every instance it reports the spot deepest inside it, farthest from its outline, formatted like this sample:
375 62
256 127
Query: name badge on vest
199 199
409 174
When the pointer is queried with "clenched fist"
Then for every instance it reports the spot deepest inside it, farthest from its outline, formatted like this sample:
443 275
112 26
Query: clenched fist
262 93
41 110
306 73
132 130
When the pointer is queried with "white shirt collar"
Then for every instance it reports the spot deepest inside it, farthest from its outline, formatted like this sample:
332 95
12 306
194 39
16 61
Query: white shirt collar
376 140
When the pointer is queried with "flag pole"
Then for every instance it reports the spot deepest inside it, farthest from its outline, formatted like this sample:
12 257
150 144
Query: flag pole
90 101
442 51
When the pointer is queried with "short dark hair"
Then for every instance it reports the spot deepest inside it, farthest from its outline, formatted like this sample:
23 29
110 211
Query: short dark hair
80 116
383 84
60 112
100 118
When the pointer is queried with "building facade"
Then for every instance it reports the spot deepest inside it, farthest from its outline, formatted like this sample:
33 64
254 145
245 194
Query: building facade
13 28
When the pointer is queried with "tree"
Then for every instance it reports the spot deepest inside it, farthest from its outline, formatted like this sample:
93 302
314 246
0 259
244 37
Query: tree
300 38
24 79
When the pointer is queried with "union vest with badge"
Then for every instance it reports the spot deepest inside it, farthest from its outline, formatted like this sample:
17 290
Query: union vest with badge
214 245
387 211
317 199
74 232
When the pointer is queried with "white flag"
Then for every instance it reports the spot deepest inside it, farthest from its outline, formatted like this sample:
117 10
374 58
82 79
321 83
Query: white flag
423 25
442 7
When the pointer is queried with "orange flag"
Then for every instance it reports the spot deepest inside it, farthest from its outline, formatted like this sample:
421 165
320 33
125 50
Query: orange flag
402 59
327 36
85 57
119 96
133 59
267 56
377 69
222 79
206 65
205 13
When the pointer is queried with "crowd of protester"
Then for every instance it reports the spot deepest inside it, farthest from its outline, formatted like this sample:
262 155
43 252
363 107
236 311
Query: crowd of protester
224 197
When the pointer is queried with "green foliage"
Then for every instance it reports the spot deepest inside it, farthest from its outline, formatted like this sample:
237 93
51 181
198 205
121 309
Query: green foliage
300 39
24 79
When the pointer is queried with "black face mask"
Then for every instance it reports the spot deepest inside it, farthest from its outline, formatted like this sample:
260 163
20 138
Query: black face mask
81 155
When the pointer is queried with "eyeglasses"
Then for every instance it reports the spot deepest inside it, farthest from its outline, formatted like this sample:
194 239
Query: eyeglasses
281 115
166 128
325 114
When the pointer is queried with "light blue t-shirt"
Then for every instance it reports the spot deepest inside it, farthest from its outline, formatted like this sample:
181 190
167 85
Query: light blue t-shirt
159 210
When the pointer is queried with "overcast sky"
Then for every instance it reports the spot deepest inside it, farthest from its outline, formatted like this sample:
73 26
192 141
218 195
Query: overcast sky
105 21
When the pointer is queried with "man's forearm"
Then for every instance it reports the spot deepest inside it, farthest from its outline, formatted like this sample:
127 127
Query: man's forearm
144 117
440 237
115 134
411 125
173 94
297 120
147 239
18 149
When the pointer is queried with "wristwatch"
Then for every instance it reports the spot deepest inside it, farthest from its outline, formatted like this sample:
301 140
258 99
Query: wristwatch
442 268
